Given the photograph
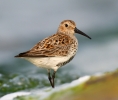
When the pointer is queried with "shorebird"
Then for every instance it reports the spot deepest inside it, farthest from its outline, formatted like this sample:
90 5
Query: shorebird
55 51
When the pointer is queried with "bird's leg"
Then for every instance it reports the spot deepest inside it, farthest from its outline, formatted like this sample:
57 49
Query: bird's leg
50 78
53 77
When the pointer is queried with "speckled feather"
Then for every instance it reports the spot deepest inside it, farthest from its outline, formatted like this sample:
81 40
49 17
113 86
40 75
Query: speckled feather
58 44
55 45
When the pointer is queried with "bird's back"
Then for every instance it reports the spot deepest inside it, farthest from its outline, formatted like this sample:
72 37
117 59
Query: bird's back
56 45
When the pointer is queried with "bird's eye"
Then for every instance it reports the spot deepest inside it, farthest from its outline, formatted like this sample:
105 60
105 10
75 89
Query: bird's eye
66 25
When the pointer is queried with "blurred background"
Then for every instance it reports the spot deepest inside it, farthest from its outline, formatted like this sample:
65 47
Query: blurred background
25 22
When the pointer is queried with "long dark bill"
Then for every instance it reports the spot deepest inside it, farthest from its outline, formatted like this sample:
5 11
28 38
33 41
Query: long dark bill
80 32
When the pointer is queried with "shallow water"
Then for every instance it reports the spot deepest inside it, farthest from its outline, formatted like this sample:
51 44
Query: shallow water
23 26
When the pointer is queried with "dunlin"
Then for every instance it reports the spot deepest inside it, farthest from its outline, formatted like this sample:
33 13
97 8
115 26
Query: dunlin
56 50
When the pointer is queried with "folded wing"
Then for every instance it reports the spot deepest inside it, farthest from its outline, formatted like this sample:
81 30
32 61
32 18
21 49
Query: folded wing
55 45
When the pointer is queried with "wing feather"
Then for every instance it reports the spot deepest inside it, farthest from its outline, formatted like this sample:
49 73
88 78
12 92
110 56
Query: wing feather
55 45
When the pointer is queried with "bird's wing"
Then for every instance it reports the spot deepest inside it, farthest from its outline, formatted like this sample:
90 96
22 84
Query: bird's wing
55 45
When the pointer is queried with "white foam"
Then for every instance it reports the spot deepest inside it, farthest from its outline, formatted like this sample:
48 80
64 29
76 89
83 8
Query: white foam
13 95
45 92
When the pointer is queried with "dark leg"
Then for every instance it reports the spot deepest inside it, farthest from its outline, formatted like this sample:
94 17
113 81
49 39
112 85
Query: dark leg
53 77
50 78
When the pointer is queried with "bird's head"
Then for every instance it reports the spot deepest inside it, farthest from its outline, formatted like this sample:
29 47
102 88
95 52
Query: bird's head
69 27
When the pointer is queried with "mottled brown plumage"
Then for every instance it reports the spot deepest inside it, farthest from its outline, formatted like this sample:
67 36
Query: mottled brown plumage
55 45
56 50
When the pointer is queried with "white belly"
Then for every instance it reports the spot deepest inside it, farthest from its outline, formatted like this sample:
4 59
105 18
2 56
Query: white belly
47 62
